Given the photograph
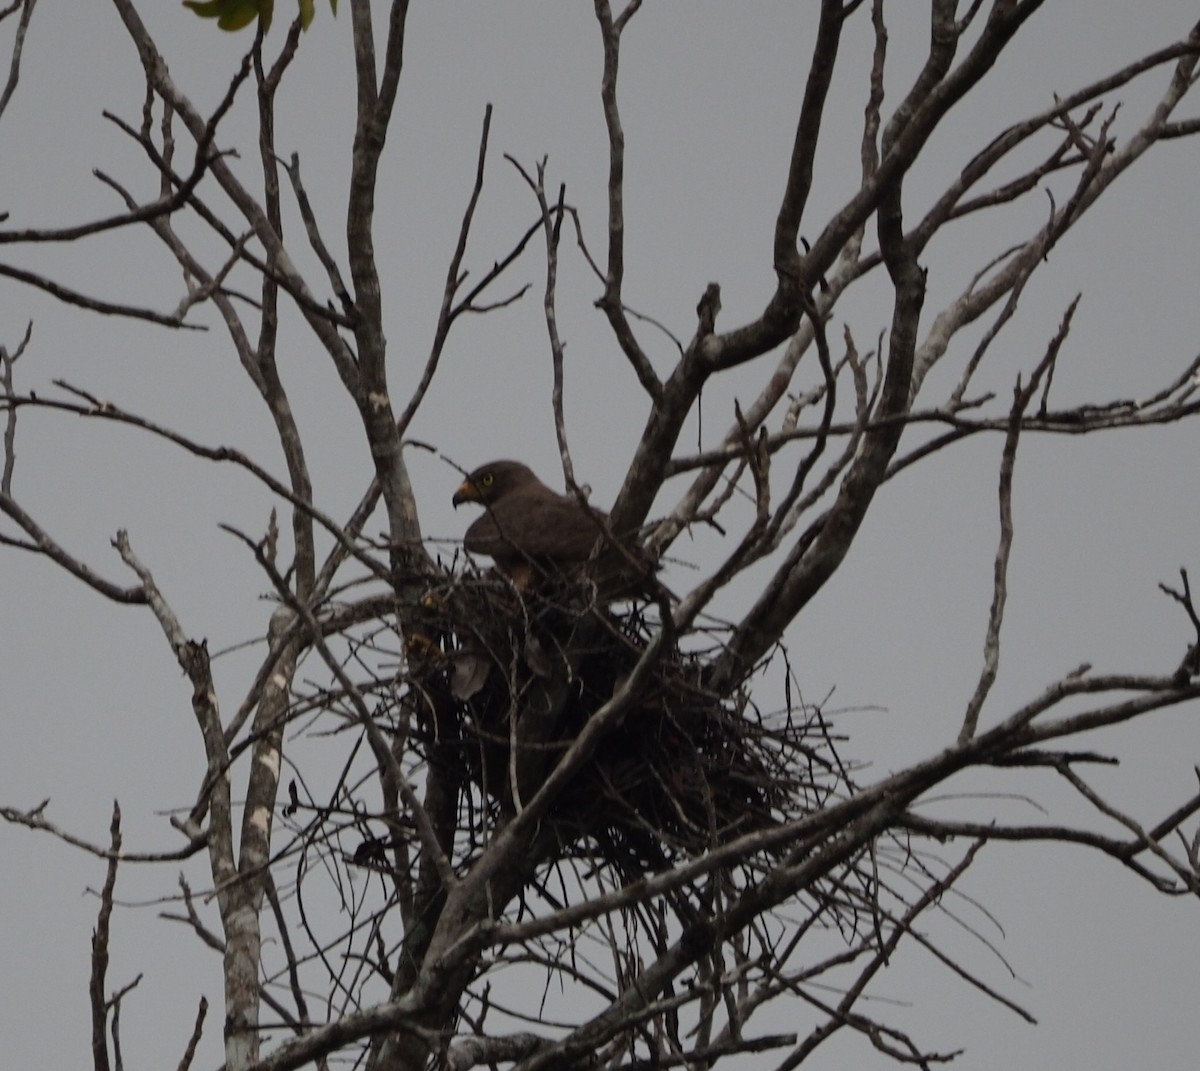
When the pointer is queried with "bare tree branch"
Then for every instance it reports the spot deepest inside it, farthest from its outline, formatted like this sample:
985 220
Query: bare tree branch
14 65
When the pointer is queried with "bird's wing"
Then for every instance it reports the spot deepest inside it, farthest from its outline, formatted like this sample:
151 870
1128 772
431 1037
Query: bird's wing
537 525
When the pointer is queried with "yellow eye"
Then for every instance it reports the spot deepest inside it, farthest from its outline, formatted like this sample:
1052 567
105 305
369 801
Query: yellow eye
487 479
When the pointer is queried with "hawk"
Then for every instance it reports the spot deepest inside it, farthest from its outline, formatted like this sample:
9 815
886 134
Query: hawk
527 528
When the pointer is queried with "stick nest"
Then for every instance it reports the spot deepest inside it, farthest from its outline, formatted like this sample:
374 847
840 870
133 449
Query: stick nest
510 678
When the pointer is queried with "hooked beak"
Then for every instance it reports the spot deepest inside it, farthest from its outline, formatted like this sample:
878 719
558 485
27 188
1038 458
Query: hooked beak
466 493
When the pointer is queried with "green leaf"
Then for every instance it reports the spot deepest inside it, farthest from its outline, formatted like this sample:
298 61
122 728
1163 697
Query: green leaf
235 14
230 14
206 10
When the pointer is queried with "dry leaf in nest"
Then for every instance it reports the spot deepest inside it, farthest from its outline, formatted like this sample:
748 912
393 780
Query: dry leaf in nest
468 673
537 659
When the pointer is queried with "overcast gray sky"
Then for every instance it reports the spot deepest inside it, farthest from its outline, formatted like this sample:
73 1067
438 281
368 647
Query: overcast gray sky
93 707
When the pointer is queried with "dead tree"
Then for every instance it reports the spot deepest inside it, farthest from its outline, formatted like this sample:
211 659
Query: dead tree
562 787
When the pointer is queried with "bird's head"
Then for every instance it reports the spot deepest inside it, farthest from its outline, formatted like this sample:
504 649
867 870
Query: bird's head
491 482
